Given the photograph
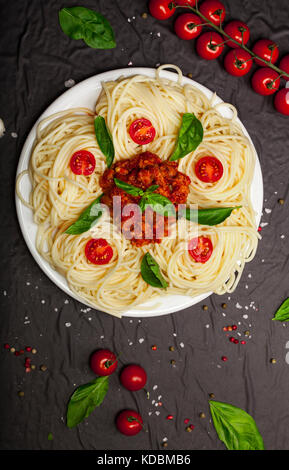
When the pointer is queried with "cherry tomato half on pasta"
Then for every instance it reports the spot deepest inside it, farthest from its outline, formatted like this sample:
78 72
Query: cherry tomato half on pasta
160 9
82 162
267 50
238 31
103 362
265 81
213 10
238 62
281 101
129 422
133 377
142 131
187 26
98 251
200 249
209 45
209 169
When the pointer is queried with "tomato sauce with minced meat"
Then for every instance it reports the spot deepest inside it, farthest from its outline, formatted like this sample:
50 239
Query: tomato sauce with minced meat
144 170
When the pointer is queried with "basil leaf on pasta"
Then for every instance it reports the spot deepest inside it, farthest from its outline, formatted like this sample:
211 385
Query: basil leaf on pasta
85 399
212 216
236 428
189 138
128 188
158 203
151 273
87 218
104 139
89 25
282 314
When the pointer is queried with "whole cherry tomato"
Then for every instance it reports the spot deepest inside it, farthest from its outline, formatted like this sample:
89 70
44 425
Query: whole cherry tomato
184 3
238 62
133 377
265 81
284 65
187 26
209 45
103 362
267 50
281 101
129 422
160 9
238 31
213 10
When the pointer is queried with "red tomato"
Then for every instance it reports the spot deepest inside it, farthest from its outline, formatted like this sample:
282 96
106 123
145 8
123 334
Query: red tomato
238 62
284 65
129 422
201 249
265 81
98 251
184 3
213 10
281 101
82 162
267 50
103 362
142 131
160 10
186 26
237 30
133 377
208 45
209 169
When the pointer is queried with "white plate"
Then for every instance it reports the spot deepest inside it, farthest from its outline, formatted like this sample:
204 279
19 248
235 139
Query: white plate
85 94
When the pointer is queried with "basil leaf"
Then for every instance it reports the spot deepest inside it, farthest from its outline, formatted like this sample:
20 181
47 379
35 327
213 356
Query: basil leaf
151 273
190 136
152 188
85 399
104 139
282 314
128 188
87 218
236 428
89 25
158 203
213 216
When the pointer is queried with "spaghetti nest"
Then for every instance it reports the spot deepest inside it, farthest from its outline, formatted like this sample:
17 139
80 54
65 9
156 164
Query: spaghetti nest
59 196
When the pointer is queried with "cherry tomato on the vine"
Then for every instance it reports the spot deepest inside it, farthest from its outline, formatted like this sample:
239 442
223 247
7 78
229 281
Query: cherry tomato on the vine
281 101
209 45
200 249
265 81
82 162
142 131
267 50
238 62
133 377
187 26
184 3
238 31
284 65
213 10
160 9
98 251
129 422
103 362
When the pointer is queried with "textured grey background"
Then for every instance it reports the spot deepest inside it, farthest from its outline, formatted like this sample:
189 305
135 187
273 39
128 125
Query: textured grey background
36 61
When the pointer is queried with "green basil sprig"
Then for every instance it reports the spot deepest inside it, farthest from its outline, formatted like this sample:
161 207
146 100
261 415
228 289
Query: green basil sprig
151 273
189 138
85 399
104 139
89 25
282 314
236 428
212 216
87 218
158 203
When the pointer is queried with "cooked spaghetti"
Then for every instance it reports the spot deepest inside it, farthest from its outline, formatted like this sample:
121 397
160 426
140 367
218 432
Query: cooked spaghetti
60 195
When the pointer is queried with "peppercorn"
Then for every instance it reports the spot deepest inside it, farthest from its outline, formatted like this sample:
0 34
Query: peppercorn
43 368
224 305
190 75
144 15
20 394
12 350
34 351
154 348
171 348
173 362
224 358
33 366
188 429
247 333
205 307
165 444
202 415
281 201
212 395
273 361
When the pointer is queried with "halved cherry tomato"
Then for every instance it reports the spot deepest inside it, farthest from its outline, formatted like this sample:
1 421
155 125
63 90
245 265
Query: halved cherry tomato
265 81
133 377
210 45
284 65
82 162
281 101
129 422
213 10
103 362
98 251
239 31
209 169
200 249
160 9
267 50
238 62
187 26
142 131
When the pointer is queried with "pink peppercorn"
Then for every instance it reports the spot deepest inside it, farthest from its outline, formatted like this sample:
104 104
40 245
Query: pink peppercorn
234 327
186 421
6 346
224 358
243 342
192 427
231 339
236 341
170 417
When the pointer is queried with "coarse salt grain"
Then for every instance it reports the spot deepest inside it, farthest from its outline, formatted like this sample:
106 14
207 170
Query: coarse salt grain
2 128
